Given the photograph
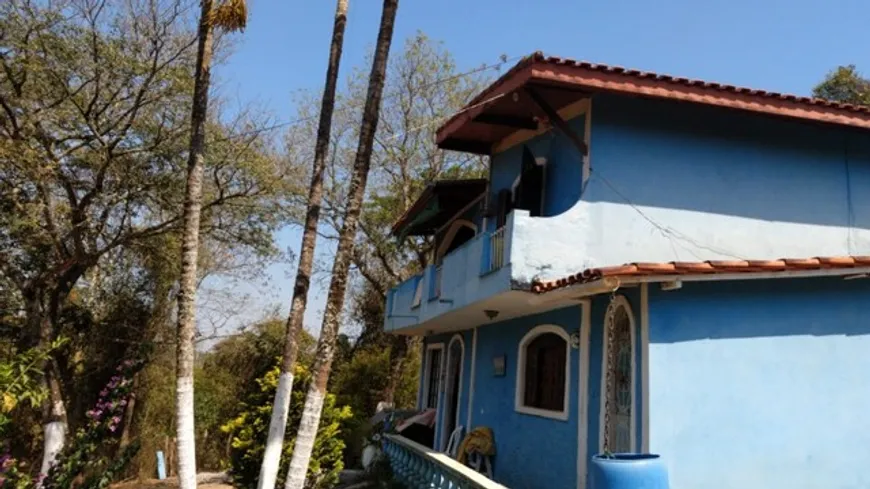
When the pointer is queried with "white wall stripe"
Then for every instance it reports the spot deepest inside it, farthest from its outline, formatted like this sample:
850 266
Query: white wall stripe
471 381
583 393
644 365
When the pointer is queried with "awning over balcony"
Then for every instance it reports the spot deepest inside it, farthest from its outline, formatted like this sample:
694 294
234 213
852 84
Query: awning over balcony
440 201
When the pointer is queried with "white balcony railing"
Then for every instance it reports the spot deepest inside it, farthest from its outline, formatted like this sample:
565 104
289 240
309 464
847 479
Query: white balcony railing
496 250
417 466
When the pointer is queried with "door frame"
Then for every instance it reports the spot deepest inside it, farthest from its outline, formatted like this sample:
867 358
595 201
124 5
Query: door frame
619 301
444 436
426 371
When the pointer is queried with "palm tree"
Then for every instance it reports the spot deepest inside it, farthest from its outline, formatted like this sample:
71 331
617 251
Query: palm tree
338 284
231 16
278 423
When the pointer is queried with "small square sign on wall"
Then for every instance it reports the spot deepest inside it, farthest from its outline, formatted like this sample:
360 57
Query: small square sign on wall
498 365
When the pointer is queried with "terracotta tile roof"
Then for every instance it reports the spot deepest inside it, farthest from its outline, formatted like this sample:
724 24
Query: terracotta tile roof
710 267
540 70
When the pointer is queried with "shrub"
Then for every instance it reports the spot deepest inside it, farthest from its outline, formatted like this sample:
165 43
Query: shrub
250 427
93 458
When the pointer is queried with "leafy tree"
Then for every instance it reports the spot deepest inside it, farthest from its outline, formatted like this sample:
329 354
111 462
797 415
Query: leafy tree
846 85
226 373
423 88
95 108
21 382
359 383
249 430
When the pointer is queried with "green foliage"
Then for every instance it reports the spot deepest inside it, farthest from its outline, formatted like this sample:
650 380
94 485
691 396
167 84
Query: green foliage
93 155
846 85
361 382
88 461
250 427
86 456
21 381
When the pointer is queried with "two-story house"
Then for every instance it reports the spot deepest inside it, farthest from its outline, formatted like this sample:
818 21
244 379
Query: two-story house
654 264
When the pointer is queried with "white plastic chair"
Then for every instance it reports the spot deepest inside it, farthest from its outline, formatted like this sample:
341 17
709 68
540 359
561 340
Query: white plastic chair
477 462
454 441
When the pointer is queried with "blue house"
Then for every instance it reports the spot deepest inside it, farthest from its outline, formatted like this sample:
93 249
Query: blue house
654 264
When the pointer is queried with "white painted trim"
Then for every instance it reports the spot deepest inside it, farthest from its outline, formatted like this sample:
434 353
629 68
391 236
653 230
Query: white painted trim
451 233
444 435
426 365
583 393
644 366
619 301
471 381
519 392
421 387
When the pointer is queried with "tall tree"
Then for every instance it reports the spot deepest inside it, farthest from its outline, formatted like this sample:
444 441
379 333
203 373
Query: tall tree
344 254
846 85
231 16
281 405
94 116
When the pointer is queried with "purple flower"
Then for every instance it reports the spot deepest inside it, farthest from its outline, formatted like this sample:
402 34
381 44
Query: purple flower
104 393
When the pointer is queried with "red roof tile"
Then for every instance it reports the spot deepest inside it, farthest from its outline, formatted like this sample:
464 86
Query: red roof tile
591 77
710 267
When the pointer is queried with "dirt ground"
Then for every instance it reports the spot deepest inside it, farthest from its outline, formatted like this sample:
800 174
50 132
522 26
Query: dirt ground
204 481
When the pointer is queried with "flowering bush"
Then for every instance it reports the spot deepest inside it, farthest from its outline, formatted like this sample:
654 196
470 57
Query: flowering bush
80 461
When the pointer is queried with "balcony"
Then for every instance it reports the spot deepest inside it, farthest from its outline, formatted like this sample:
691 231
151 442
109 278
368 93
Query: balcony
414 465
477 270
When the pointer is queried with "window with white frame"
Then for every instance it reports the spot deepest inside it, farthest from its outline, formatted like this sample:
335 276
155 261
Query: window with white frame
543 372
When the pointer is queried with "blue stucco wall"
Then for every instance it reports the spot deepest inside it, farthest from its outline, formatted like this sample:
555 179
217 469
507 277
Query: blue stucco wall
532 451
683 182
761 384
564 168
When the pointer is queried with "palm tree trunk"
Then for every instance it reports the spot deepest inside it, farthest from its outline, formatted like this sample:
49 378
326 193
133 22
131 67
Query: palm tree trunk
338 283
185 349
278 423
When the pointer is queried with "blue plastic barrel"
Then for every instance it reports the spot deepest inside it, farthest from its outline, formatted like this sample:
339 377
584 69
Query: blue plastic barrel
628 471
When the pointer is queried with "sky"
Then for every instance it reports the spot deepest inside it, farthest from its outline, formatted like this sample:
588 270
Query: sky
778 45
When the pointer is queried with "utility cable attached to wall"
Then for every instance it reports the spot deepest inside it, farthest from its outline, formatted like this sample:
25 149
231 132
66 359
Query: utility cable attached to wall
666 231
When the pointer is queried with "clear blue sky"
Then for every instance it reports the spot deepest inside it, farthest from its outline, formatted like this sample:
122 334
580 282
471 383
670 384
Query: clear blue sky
780 45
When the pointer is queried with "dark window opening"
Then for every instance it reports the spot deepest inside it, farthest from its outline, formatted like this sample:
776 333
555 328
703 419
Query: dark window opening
529 192
462 236
505 206
545 358
433 378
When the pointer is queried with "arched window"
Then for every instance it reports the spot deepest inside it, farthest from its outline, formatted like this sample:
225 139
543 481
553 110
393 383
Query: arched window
543 372
618 379
460 232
